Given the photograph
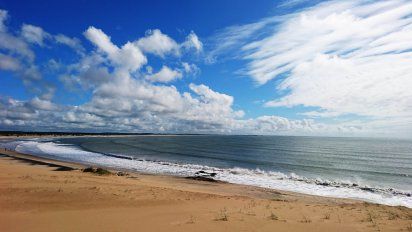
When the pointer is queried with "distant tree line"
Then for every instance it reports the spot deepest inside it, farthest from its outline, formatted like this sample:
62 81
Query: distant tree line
58 133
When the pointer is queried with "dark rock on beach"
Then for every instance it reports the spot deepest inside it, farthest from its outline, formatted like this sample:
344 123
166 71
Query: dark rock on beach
201 178
204 173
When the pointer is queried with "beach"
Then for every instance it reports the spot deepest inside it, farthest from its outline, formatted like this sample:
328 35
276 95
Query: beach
44 195
218 116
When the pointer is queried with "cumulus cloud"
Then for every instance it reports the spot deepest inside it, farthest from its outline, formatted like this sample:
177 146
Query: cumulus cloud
123 99
165 75
129 57
193 42
15 46
18 57
268 124
157 43
34 34
101 40
42 104
209 95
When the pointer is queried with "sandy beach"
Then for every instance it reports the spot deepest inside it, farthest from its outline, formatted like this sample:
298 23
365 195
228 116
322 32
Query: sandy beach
218 116
44 195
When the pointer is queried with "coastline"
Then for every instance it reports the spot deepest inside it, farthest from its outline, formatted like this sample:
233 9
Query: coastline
33 195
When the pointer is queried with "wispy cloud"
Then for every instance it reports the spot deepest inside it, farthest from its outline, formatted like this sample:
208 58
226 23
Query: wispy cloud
345 57
295 3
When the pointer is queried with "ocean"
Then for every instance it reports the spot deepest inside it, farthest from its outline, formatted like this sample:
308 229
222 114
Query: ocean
370 169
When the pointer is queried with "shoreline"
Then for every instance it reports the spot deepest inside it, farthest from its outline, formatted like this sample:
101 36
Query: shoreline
199 176
35 195
35 160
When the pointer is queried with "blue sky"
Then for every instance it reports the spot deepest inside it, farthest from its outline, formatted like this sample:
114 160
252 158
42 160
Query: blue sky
251 67
128 21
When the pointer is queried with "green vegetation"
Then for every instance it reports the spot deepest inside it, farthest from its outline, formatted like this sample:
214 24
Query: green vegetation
98 171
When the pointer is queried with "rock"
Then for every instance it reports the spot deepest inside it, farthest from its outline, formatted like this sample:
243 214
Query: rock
122 174
204 173
367 189
201 178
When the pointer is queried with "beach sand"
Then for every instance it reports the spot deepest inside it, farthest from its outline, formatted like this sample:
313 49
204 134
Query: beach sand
44 195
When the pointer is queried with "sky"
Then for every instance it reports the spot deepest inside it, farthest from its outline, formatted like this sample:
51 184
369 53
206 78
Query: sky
327 68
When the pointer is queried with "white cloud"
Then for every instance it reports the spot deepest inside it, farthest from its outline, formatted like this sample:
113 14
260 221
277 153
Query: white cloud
34 34
191 69
334 28
122 96
9 63
101 40
73 43
209 95
42 104
125 101
16 55
375 86
268 124
351 61
231 39
148 108
165 75
343 57
192 42
15 46
157 43
129 57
